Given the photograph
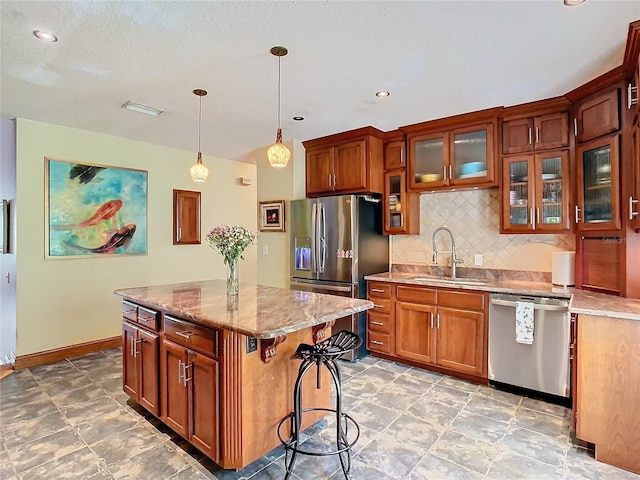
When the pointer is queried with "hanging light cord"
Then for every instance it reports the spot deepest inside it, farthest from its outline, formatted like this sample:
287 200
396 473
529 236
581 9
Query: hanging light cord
200 124
279 58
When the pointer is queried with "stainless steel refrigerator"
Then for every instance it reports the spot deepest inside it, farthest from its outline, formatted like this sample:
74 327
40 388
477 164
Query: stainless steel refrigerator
335 242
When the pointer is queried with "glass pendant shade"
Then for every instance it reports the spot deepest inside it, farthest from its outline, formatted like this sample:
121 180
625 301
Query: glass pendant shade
278 154
198 171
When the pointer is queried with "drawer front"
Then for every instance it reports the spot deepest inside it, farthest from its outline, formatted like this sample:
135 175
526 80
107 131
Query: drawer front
380 322
471 301
379 342
379 290
380 305
201 339
148 318
129 311
405 293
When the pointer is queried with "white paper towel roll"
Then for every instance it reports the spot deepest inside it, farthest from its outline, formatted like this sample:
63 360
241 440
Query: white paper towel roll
563 268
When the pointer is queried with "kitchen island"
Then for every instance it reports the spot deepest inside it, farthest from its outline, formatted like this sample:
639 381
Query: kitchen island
218 370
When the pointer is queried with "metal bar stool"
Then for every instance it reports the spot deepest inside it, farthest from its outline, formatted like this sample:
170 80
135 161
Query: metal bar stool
323 353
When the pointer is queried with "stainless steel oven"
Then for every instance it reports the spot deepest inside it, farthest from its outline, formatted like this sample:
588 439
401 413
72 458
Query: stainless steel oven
544 365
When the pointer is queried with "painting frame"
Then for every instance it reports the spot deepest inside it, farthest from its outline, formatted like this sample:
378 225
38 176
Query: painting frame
272 216
94 210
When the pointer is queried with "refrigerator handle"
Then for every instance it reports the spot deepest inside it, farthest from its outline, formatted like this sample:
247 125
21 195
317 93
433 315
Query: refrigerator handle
323 238
314 237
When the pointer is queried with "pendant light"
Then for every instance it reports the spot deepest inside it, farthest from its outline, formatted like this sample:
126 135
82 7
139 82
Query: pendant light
198 171
278 154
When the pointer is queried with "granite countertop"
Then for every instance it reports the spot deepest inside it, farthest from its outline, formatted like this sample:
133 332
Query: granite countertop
582 301
258 311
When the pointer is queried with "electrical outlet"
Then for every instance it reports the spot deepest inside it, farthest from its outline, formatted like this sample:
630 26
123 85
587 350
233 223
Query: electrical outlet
265 249
252 344
478 260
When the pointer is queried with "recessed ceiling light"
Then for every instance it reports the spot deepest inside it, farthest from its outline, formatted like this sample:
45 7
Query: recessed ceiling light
45 36
298 119
571 3
382 93
140 108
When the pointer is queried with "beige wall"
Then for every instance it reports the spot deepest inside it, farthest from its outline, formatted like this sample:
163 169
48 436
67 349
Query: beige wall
474 218
66 302
287 184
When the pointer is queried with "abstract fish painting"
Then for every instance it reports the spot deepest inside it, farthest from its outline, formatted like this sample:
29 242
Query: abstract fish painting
94 210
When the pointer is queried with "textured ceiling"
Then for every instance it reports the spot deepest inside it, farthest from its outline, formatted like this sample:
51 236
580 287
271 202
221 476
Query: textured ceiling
436 59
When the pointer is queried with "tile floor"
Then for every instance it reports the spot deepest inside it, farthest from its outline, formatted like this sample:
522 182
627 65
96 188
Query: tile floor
71 420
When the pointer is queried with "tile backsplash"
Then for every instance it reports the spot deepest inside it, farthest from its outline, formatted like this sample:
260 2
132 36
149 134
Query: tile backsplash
474 219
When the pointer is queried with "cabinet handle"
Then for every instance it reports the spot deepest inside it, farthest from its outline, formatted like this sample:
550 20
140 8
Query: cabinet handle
533 218
330 180
180 370
377 323
185 334
179 233
135 347
529 135
334 180
575 126
375 305
577 214
630 100
538 215
377 290
432 319
631 212
444 172
184 374
376 342
142 319
438 321
450 173
132 347
401 156
537 135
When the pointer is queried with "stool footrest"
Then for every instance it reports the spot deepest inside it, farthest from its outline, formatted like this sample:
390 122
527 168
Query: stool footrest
288 444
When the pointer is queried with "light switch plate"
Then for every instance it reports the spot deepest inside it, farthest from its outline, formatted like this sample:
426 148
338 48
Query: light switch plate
478 260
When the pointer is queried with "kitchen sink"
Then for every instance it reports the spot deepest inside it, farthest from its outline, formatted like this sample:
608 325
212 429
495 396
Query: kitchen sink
454 281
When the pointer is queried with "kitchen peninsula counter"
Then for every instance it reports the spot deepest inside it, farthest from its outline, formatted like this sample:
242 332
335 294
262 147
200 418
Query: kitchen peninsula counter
220 370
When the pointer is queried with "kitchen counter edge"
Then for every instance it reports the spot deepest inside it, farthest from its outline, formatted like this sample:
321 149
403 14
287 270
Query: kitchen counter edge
581 301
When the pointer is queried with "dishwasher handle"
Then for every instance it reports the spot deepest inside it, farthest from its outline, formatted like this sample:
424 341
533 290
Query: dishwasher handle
536 306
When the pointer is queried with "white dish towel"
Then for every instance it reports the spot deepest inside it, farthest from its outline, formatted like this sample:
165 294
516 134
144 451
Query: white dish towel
524 322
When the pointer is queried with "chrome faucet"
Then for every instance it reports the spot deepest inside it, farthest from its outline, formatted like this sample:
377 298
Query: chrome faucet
454 260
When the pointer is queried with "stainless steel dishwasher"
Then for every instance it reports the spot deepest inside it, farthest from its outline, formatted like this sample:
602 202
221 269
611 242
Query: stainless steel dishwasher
544 365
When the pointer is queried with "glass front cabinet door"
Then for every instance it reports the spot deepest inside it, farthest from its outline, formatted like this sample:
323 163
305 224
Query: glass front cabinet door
536 193
598 202
429 158
401 209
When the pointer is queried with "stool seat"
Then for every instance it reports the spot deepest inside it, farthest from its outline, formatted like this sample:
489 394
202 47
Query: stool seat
324 354
334 346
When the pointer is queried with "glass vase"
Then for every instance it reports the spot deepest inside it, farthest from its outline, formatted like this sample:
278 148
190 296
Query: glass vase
233 284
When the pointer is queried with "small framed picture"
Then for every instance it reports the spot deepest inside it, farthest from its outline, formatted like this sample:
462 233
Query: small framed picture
272 216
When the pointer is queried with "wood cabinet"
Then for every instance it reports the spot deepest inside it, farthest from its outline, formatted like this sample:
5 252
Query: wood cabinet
438 328
608 387
380 319
349 162
190 384
598 184
401 208
186 217
140 376
455 158
395 154
597 115
633 199
536 193
542 132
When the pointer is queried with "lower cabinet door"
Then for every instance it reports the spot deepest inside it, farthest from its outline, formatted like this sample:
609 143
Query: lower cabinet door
130 370
175 398
202 374
148 353
415 339
460 340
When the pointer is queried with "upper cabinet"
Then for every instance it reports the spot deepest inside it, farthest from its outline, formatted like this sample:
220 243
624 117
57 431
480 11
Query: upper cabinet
597 115
349 162
455 152
395 154
535 133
